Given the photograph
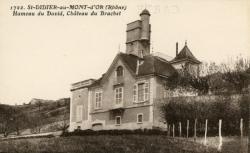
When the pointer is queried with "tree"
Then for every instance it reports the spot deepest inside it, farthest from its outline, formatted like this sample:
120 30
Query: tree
217 78
65 119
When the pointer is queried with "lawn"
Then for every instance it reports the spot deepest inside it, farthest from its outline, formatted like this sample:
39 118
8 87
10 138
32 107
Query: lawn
231 144
104 144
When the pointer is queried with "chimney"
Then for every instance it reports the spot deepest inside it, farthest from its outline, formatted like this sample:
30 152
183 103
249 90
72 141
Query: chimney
176 48
145 26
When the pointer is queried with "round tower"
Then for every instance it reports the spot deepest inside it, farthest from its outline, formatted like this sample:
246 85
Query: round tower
145 31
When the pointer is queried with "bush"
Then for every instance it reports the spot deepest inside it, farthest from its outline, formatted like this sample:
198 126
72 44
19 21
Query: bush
79 132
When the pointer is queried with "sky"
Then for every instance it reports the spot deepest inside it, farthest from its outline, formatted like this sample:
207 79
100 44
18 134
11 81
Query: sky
40 57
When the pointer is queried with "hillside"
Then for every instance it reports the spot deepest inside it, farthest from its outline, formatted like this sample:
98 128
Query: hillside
37 116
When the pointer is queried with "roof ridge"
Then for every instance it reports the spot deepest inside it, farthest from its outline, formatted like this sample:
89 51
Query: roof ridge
161 59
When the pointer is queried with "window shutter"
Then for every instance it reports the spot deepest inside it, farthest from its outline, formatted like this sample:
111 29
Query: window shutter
135 93
100 99
121 93
146 91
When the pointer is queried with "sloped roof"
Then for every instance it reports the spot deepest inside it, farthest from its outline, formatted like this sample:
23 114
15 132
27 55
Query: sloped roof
130 60
149 65
185 54
157 66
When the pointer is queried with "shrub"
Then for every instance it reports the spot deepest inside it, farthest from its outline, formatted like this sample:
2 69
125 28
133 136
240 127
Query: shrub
79 132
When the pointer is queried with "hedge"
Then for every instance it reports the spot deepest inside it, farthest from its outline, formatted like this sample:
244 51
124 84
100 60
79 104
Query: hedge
226 107
79 132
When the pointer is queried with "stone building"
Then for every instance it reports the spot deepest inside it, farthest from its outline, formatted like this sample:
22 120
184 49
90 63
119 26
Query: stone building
125 96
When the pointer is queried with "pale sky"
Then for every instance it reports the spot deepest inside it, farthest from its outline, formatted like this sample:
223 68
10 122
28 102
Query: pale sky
40 57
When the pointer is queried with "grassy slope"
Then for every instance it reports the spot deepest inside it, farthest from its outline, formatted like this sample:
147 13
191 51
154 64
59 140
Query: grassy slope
104 144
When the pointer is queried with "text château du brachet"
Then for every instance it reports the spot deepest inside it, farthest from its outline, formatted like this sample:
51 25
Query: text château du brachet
71 10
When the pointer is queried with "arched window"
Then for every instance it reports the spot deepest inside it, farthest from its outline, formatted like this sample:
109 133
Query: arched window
119 71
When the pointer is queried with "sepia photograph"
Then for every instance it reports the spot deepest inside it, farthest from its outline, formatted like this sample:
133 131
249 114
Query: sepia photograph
134 76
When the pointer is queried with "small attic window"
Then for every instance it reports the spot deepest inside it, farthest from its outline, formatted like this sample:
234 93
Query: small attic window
119 71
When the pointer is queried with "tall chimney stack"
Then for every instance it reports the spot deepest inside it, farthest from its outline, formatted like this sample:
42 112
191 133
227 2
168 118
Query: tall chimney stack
145 27
176 48
138 35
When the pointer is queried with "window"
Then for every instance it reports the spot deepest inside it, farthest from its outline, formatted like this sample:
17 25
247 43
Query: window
118 95
118 120
119 71
78 113
98 100
141 92
139 118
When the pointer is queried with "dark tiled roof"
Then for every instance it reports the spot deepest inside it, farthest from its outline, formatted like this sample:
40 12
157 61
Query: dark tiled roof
185 54
130 60
149 65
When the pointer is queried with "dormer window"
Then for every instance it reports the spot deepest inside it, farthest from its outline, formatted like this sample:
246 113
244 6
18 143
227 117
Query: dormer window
119 71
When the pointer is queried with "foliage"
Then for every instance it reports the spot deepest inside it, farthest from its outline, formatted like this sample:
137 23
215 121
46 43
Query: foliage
228 108
11 119
216 78
115 132
33 116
